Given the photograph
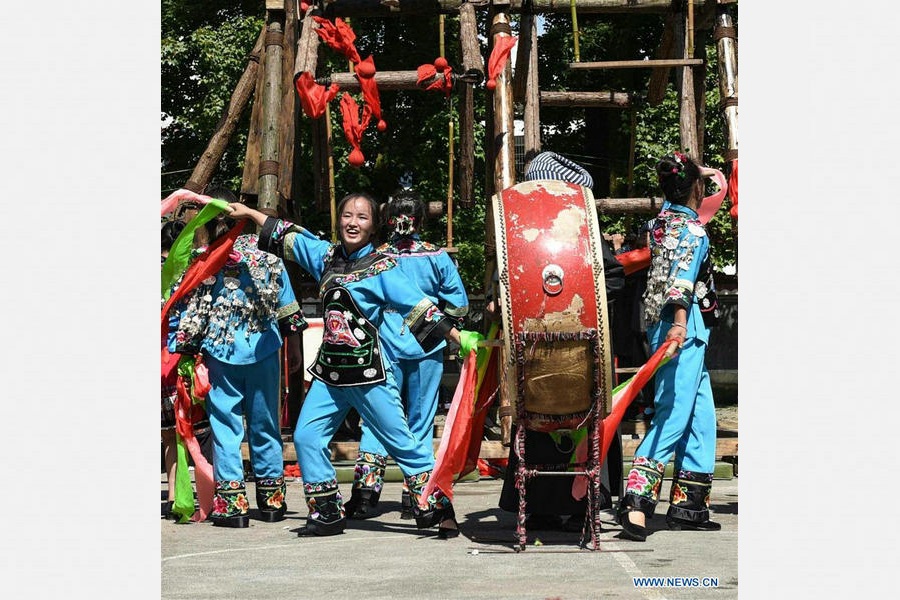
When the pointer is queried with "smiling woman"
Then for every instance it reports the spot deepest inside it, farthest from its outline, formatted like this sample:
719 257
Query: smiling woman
356 284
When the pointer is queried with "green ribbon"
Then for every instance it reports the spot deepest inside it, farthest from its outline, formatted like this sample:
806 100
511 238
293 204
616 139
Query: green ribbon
180 252
468 341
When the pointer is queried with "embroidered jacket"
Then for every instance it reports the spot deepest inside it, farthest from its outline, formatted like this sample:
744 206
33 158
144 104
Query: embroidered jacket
234 316
372 282
437 276
680 270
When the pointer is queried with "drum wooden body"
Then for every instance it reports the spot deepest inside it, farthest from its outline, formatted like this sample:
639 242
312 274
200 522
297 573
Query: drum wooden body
557 359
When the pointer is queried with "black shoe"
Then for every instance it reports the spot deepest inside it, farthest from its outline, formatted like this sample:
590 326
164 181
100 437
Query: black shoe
406 510
236 521
676 524
319 528
166 510
446 533
631 531
362 504
272 516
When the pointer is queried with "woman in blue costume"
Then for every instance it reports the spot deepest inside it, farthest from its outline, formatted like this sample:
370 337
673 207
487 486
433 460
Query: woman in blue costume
680 305
237 320
356 285
418 372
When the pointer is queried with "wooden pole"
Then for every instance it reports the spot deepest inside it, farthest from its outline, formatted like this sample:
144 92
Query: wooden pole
659 78
525 86
393 8
215 148
726 45
472 62
687 105
289 109
585 99
269 142
250 180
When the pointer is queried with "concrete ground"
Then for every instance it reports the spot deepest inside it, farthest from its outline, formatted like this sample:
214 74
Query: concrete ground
386 557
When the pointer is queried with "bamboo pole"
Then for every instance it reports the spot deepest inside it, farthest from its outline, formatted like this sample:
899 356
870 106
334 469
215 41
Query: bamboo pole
215 148
637 64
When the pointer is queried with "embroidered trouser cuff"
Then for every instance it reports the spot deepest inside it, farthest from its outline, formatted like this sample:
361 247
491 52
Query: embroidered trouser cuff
230 499
324 501
644 483
689 498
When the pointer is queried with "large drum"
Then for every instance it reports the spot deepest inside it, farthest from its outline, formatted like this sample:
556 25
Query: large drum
557 362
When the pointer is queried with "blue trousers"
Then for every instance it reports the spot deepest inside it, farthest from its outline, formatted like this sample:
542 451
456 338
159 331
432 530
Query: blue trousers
325 407
685 417
251 392
419 381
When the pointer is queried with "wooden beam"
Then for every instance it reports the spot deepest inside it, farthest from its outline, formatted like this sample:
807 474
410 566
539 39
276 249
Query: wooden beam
638 64
271 100
383 8
393 80
307 46
659 78
586 99
527 73
472 62
628 206
211 156
288 118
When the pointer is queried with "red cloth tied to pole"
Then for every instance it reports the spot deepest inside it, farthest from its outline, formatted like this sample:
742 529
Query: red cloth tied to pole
733 189
453 449
623 395
314 97
497 60
354 126
339 36
634 260
365 74
427 72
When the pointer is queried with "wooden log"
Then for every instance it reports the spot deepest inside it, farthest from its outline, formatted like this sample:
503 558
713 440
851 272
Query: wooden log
289 111
503 143
392 8
307 46
726 46
628 206
250 179
395 80
472 62
215 148
637 64
659 77
687 107
271 100
586 99
531 95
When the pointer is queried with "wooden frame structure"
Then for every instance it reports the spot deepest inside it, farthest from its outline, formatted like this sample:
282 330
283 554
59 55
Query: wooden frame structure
289 46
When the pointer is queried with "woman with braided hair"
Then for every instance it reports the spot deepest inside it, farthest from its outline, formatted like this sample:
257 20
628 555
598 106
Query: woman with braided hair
681 306
356 285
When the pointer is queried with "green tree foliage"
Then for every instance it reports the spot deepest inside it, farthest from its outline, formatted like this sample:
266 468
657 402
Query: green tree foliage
204 51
